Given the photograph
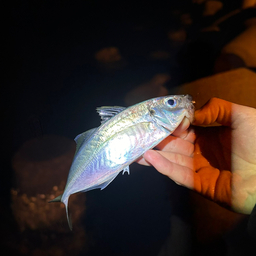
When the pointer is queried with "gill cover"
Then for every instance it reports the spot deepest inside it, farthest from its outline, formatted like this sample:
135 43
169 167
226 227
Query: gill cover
170 111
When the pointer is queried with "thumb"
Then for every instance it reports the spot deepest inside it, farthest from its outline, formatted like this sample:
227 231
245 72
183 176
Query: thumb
215 110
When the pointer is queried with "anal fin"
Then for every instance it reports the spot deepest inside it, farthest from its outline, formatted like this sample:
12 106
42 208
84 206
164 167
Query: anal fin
126 169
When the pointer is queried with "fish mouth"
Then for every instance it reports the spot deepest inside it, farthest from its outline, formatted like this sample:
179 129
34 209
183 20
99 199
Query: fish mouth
189 97
190 110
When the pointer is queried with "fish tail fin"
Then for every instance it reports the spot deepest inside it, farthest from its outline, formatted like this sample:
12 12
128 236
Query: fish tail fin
65 201
68 216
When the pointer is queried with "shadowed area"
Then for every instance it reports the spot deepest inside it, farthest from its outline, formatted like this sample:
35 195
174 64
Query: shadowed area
63 60
42 163
46 148
41 167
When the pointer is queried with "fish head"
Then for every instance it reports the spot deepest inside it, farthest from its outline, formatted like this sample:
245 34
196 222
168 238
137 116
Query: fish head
169 111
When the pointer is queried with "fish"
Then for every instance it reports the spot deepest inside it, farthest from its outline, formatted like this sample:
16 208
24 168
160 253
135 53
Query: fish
124 135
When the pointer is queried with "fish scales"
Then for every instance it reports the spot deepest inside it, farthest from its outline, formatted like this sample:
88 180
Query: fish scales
121 121
112 156
115 159
123 137
107 130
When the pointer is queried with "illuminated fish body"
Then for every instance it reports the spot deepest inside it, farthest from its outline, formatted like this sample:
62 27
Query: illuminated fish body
124 135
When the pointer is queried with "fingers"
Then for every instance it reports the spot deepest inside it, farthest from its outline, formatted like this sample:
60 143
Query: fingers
177 145
142 161
181 174
181 130
174 145
215 110
180 159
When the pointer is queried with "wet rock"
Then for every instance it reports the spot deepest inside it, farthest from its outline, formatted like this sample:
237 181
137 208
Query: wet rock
109 58
226 62
237 86
186 19
212 7
177 35
160 55
198 1
250 22
108 55
42 163
244 46
41 168
248 3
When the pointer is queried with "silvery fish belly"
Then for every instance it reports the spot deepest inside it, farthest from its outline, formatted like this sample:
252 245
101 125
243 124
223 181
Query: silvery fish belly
124 135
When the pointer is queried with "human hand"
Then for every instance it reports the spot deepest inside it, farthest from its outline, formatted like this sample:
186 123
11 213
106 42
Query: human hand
218 162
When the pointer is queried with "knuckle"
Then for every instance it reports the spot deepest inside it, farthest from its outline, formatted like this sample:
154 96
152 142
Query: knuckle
179 159
189 150
173 144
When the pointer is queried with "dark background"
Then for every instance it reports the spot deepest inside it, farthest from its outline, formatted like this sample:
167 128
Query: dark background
52 84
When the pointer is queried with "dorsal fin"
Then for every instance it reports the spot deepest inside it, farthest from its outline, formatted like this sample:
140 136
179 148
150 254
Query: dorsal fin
107 112
83 137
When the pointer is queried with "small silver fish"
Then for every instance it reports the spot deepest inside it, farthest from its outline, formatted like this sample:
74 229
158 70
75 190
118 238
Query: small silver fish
124 135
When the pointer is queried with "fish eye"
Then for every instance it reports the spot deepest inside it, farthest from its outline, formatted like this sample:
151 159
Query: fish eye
172 102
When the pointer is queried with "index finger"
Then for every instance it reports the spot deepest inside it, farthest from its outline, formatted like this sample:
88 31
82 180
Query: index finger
177 145
181 130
